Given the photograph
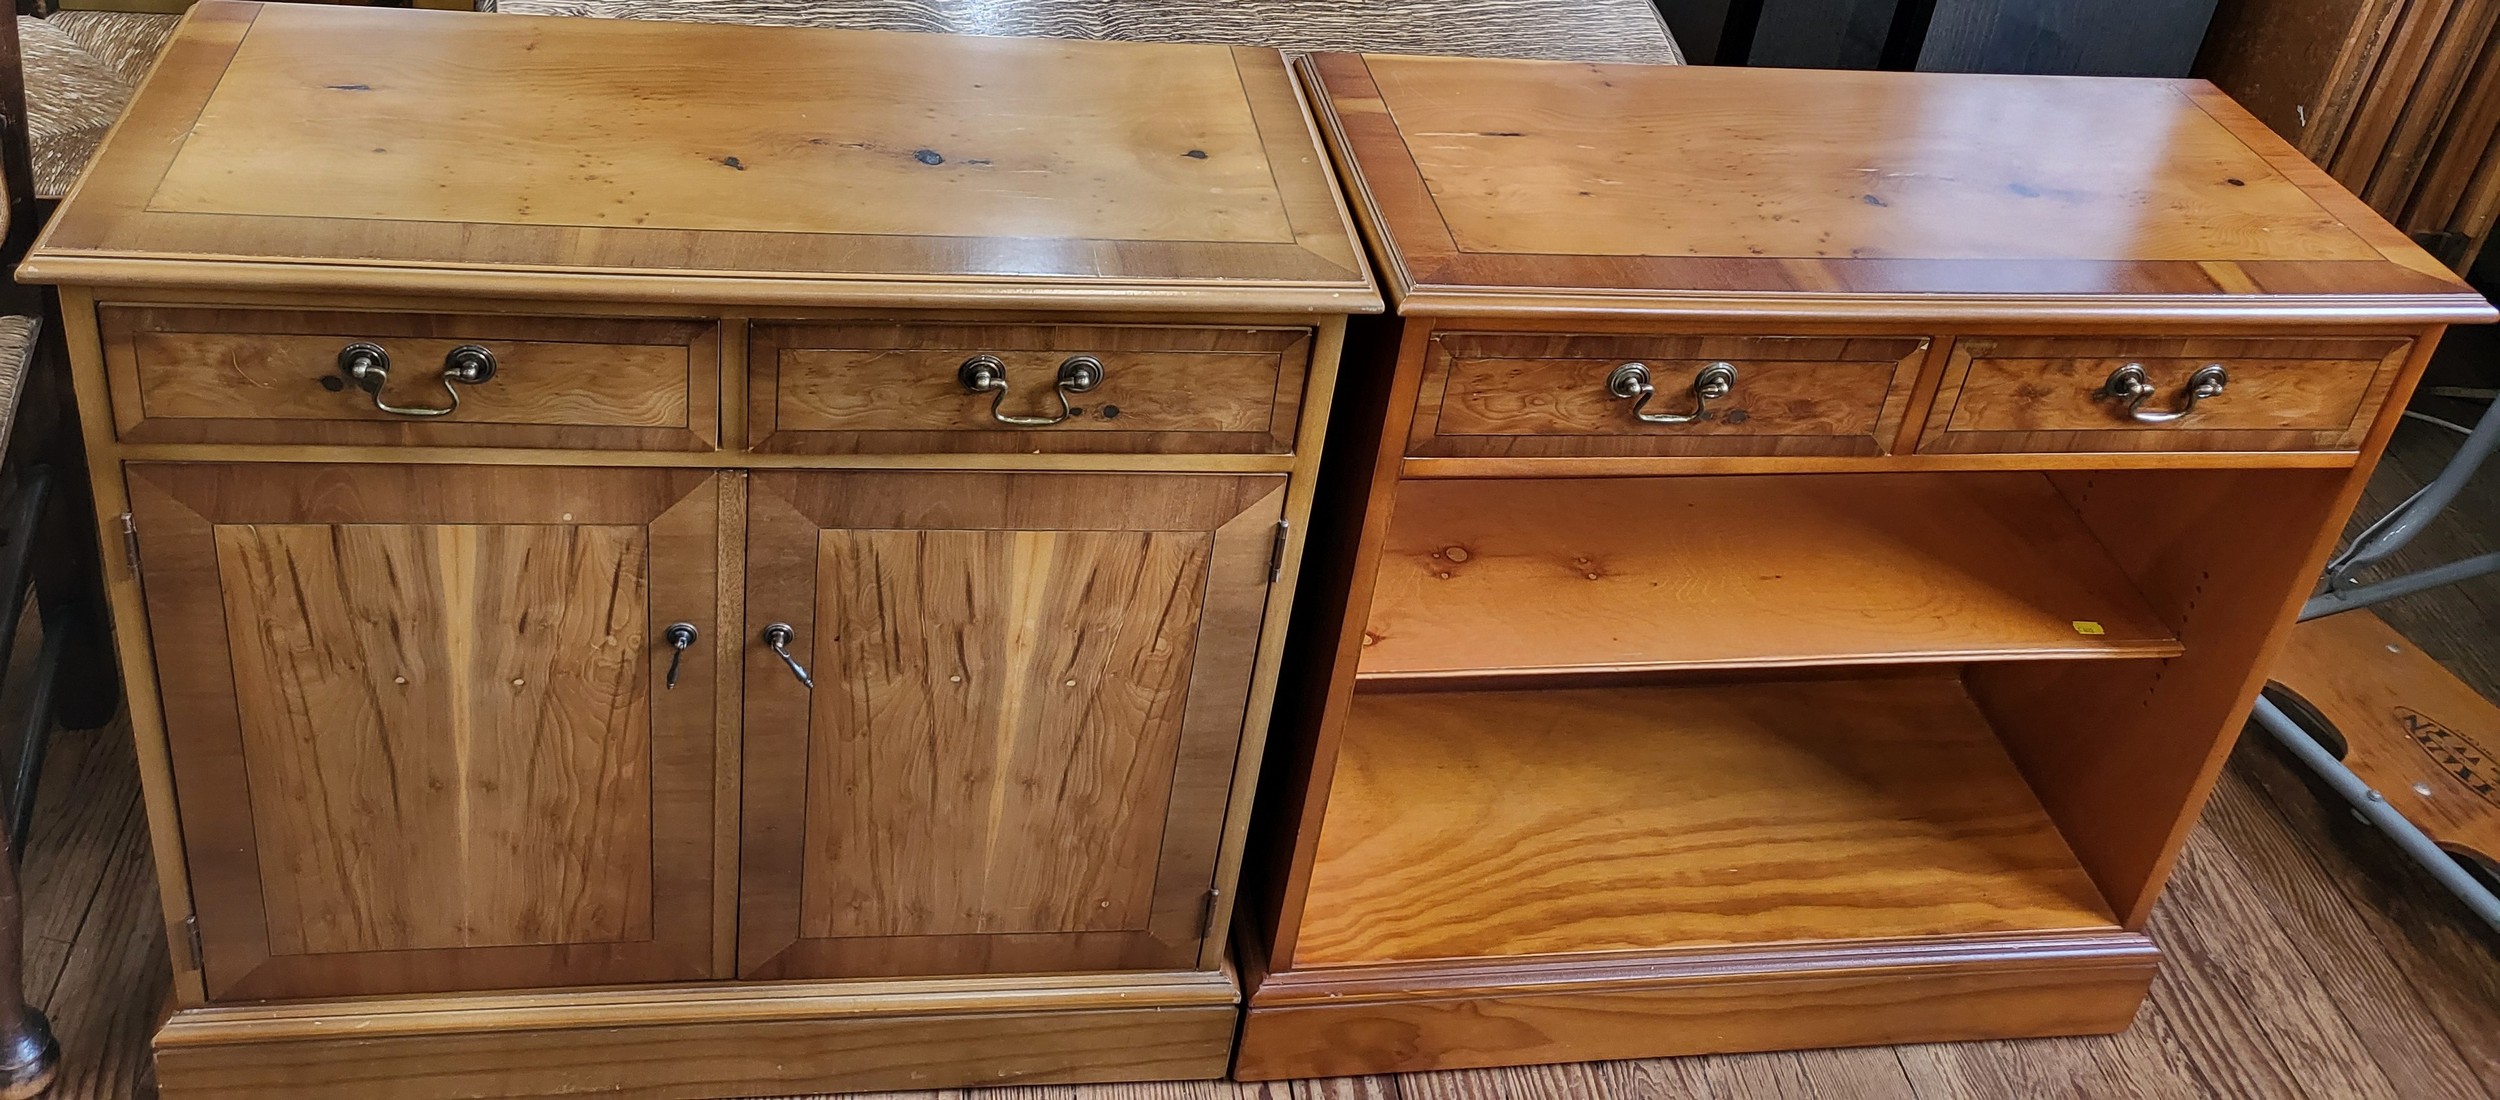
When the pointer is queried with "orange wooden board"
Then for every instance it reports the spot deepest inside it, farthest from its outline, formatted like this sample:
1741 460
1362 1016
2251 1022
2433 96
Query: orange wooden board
2412 730
1485 824
1528 577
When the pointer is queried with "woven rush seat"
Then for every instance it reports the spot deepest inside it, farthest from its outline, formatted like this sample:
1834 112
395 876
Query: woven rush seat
1568 30
81 67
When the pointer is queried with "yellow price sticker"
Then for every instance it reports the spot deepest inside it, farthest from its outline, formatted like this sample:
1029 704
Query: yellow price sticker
2087 626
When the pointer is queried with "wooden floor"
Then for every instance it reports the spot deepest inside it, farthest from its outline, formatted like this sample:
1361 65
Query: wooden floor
2302 956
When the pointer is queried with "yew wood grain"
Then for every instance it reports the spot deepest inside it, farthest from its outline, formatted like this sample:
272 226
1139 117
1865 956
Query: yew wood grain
893 388
689 1061
2403 723
1532 395
1001 730
1030 690
414 719
1520 824
2044 394
198 375
1410 1019
1528 577
411 818
2122 754
1519 187
708 163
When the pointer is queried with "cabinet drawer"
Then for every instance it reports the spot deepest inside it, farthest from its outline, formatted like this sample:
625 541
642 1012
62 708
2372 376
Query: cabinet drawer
2014 394
1496 395
878 387
200 375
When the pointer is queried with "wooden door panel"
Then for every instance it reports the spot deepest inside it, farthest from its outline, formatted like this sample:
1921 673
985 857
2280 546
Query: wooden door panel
1029 690
1059 706
413 713
531 743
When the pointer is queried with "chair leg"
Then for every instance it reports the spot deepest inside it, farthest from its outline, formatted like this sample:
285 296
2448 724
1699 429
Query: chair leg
29 1056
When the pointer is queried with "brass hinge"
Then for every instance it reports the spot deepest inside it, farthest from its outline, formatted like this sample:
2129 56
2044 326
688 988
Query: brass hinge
1276 551
1206 912
130 542
191 938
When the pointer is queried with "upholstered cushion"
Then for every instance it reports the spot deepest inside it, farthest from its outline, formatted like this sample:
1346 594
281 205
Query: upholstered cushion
1571 30
17 349
81 67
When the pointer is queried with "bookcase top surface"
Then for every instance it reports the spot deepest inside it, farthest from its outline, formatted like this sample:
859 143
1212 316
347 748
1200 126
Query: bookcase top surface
1528 185
666 159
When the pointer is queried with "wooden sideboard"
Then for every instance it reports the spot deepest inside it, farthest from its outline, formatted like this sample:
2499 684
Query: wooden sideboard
679 561
1799 554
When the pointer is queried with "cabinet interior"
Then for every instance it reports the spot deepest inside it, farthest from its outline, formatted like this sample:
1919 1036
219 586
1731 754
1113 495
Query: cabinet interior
1700 713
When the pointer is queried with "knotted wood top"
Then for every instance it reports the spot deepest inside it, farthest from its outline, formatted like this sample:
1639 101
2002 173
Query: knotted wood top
1539 185
331 148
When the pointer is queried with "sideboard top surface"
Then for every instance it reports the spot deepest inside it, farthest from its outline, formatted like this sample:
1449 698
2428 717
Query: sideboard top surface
298 145
1494 186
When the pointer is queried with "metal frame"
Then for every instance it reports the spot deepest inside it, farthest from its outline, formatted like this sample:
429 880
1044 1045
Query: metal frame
2342 593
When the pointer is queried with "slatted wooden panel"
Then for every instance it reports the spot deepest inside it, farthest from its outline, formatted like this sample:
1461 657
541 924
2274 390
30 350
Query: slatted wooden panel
2398 99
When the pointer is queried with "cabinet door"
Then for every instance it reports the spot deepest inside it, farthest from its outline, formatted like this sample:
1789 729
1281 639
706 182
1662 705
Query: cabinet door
1029 693
418 732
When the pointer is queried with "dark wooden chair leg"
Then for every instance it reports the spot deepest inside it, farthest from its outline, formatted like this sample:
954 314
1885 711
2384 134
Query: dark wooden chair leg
29 1056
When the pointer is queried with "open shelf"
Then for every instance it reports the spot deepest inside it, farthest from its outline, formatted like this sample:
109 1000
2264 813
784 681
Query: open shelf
1478 824
1511 577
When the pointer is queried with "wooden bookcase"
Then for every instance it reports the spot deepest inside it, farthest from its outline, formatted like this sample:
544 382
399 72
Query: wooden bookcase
1869 700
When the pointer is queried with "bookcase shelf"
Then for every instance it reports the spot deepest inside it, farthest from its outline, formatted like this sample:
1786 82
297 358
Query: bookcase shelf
1529 578
1479 824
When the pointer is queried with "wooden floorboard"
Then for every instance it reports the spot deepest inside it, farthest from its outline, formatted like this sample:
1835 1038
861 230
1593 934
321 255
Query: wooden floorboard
2305 958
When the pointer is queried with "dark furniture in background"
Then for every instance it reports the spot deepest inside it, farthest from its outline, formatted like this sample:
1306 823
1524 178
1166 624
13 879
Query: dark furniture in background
2066 37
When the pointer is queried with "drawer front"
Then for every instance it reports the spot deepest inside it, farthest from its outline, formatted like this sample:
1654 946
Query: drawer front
1513 395
885 388
2070 393
204 375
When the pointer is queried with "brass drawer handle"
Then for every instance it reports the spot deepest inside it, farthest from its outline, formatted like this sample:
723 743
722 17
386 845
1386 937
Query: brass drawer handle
2133 385
1631 382
368 368
986 374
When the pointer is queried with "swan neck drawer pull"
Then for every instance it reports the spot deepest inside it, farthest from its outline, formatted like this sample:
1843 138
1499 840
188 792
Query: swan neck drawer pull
2133 385
986 374
1630 382
367 367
